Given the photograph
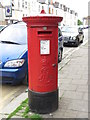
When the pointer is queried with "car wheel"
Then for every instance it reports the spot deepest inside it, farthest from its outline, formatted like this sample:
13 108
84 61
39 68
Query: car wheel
60 56
77 43
82 39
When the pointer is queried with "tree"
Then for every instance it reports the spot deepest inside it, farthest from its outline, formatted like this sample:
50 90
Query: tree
79 22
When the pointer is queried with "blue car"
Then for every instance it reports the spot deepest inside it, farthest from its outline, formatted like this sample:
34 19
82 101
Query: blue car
13 54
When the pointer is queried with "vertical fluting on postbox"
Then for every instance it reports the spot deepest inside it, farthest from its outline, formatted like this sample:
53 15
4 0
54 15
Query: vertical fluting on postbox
43 62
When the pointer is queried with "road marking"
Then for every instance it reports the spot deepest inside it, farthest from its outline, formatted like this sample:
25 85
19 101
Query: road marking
68 50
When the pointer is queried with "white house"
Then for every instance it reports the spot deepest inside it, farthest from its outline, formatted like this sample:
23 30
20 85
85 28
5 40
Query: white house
1 14
23 8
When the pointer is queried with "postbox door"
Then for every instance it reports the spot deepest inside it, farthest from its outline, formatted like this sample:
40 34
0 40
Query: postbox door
45 68
48 59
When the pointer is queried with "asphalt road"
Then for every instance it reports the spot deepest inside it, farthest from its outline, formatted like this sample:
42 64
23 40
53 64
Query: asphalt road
9 92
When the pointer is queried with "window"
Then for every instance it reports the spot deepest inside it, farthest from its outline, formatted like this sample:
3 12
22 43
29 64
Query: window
42 7
56 12
15 33
22 3
49 1
26 7
12 3
26 4
18 3
61 6
39 8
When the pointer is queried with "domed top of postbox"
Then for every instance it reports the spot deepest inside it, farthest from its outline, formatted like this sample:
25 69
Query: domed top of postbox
42 20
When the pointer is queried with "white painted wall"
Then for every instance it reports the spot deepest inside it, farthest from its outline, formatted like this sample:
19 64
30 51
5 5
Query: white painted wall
34 8
1 14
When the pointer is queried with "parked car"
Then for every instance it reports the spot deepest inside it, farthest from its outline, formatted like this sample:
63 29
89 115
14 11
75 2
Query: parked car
60 45
13 53
72 35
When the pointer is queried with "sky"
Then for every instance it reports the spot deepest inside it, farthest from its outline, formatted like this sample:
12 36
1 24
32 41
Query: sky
79 6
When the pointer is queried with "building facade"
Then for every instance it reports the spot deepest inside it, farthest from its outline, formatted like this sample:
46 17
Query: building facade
2 20
23 8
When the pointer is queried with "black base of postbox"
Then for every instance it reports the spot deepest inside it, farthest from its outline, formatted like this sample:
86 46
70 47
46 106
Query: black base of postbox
43 102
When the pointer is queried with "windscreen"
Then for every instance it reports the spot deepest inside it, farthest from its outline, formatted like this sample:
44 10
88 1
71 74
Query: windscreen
15 33
69 29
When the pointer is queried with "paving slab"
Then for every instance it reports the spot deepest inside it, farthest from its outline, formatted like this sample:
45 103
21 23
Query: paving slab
79 105
82 115
82 88
73 95
58 114
85 96
68 87
70 114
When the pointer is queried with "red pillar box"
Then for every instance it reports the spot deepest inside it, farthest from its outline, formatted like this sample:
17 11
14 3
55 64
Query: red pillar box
43 62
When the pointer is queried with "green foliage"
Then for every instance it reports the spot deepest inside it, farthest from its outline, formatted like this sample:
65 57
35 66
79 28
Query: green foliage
26 112
35 117
23 104
79 22
14 112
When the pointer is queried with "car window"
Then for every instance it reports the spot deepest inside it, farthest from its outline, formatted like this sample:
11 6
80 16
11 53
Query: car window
80 29
1 27
14 33
59 32
70 29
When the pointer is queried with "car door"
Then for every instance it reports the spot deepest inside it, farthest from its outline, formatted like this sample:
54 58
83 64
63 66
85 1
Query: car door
60 38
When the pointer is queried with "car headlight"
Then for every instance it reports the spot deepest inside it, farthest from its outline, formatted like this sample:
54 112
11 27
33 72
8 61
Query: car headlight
73 38
15 63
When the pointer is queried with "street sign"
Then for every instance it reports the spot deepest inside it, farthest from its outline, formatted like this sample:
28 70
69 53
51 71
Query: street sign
8 11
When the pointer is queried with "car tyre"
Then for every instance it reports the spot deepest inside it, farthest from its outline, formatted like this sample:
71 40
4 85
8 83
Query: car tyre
82 40
77 43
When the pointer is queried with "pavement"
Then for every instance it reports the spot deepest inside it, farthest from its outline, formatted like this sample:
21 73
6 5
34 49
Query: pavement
72 84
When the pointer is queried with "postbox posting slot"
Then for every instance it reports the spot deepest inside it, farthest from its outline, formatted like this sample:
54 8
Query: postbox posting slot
44 32
40 33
